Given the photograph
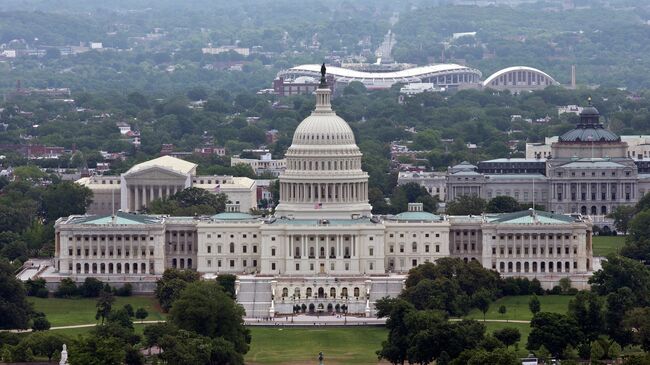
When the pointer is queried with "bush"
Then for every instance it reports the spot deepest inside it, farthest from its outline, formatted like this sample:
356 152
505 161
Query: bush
91 288
67 288
124 291
33 286
40 324
43 293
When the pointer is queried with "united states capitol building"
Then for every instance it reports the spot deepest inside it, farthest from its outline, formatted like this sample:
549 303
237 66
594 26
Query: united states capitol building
323 247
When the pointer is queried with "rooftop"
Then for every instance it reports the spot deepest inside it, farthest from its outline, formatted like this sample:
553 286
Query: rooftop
417 216
173 163
120 219
530 217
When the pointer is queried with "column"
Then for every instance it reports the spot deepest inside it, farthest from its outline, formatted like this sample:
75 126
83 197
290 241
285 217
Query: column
304 246
137 198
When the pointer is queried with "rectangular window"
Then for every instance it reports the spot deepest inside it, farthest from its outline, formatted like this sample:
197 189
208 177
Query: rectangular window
232 263
273 266
371 251
273 252
297 267
209 249
209 263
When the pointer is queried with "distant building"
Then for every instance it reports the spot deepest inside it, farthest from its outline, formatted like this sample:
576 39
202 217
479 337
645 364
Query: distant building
297 86
571 109
162 177
419 88
225 49
265 165
434 182
210 150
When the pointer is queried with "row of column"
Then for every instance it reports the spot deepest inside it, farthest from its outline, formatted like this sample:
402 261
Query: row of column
339 245
618 189
141 195
331 165
558 245
105 246
323 193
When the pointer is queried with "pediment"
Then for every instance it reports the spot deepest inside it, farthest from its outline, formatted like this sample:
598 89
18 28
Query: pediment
154 173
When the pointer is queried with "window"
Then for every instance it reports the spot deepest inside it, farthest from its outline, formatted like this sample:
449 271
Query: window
297 267
232 263
244 249
401 248
209 249
426 248
414 247
391 249
254 249
371 251
232 247
437 248
273 266
273 251
414 263
219 249
209 263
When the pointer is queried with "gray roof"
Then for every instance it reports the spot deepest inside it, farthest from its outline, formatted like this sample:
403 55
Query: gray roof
516 177
120 218
501 160
589 133
592 163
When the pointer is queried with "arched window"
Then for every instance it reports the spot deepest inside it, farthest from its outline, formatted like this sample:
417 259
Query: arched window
285 292
526 266
102 268
550 267
94 268
79 268
559 267
567 267
509 266
173 265
119 268
583 210
332 252
296 292
344 292
603 210
502 267
126 268
322 252
534 266
308 292
297 253
143 268
518 266
189 263
332 292
594 210
356 292
232 247
311 252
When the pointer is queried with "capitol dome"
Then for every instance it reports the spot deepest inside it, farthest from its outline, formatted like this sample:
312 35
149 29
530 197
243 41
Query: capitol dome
323 178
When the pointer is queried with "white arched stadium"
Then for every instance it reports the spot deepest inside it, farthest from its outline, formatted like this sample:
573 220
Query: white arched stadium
442 75
519 78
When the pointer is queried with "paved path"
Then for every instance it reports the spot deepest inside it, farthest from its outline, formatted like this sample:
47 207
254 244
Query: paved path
79 326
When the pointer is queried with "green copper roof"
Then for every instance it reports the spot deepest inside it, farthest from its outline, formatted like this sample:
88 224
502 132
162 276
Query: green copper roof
417 216
120 218
233 216
527 217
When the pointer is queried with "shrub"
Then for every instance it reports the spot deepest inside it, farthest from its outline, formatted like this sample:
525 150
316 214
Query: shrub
41 324
42 293
67 288
125 290
33 286
91 288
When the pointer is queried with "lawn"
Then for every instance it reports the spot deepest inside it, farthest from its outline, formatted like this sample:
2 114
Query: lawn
604 245
355 345
67 312
517 307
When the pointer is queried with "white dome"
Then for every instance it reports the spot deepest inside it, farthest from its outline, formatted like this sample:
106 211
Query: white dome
323 128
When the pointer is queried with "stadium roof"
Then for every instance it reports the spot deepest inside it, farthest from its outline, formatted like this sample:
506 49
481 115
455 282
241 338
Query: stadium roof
409 75
516 68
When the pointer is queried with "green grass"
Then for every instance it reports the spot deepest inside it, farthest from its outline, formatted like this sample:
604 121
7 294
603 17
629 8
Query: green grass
352 345
517 307
604 245
67 312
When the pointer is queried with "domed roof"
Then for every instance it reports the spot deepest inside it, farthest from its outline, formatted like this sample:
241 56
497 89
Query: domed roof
323 128
589 129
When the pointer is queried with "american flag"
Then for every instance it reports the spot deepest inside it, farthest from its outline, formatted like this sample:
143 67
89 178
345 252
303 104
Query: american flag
318 205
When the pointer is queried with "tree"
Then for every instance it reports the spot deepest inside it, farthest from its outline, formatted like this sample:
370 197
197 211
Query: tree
638 321
586 309
129 309
227 282
619 272
534 305
618 303
91 287
503 310
185 347
64 199
14 306
204 308
554 331
97 350
190 202
40 324
141 314
466 205
509 336
169 287
67 288
637 245
104 305
565 285
482 300
622 216
45 343
503 204
154 333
